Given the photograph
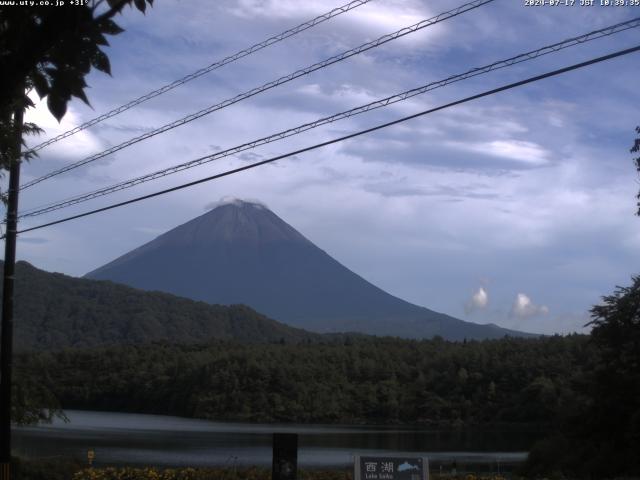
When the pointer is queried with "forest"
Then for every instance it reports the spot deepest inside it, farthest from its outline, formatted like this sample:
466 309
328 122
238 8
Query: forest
355 380
582 389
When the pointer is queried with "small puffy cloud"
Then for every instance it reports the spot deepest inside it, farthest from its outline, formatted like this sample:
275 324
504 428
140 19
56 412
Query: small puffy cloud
523 307
479 300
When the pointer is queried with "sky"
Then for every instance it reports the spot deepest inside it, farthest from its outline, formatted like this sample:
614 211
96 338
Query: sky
515 209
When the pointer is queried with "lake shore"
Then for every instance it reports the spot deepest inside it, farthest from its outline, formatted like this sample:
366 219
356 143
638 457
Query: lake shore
141 440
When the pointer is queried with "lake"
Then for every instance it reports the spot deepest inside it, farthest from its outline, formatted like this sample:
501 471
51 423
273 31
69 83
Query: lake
134 439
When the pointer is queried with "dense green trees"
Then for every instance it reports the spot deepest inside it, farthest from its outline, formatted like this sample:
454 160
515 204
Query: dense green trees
599 427
614 397
33 400
358 380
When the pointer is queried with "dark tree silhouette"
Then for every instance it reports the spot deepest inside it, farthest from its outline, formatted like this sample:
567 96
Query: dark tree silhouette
636 149
51 49
599 428
615 414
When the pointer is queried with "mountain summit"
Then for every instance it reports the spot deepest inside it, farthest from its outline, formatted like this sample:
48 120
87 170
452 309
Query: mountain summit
240 252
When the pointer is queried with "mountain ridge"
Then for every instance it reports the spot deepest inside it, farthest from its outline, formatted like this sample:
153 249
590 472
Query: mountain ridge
242 252
55 311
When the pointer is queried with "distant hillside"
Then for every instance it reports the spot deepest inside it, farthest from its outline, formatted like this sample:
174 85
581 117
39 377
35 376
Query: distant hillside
54 311
241 252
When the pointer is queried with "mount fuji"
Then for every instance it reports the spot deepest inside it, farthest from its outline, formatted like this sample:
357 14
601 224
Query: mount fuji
242 253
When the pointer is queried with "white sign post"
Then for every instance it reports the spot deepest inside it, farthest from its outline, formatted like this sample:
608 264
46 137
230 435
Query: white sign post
390 468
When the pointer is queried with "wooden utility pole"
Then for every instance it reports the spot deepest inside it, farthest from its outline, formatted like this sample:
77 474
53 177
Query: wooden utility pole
6 344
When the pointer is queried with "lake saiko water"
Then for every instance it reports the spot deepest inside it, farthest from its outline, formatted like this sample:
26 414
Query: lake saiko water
134 439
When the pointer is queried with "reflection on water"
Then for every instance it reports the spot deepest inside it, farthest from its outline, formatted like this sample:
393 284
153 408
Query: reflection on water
120 438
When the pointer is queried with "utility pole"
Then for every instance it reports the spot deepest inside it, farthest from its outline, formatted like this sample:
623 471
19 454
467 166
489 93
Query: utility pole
6 345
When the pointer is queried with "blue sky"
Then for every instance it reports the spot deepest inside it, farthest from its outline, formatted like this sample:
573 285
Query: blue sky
516 209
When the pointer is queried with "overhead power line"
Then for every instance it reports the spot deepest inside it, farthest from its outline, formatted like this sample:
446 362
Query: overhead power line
343 138
338 116
267 86
198 73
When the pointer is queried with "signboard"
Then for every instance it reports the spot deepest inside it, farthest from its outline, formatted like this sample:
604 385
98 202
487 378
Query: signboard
391 468
285 456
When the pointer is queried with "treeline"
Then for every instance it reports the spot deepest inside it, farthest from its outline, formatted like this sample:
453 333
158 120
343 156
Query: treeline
355 380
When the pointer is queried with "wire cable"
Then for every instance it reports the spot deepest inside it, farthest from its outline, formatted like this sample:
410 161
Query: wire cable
333 118
198 73
343 138
267 86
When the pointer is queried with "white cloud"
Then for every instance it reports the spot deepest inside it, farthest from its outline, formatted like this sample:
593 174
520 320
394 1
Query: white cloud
72 148
478 301
230 200
339 95
525 152
375 17
523 307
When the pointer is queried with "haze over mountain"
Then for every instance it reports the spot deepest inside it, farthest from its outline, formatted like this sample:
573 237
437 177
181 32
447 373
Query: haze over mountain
242 253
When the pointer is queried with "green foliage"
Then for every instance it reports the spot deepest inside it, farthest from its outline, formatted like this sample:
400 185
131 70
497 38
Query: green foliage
53 49
9 135
57 469
151 473
614 413
362 380
32 400
599 435
54 311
